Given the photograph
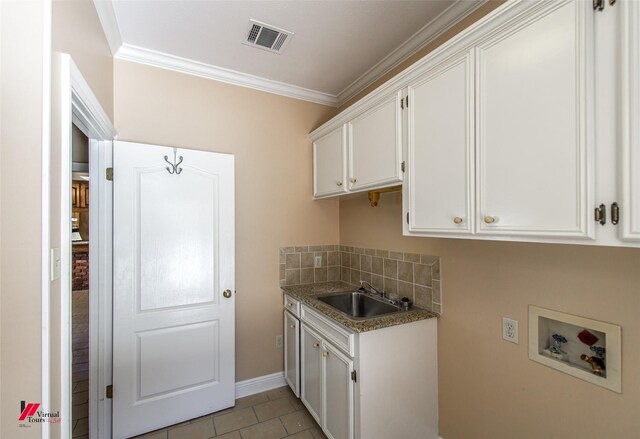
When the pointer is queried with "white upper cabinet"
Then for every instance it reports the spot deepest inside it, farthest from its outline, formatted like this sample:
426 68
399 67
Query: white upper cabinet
630 95
330 164
515 129
440 148
375 145
534 145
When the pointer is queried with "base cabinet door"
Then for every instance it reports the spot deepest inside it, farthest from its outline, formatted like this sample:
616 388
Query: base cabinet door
311 372
292 352
338 394
534 106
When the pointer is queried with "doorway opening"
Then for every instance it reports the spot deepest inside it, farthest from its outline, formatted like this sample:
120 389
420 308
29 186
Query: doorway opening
80 296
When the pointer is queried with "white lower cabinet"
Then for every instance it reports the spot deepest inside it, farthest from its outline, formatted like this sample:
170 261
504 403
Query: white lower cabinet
327 385
292 352
377 384
311 372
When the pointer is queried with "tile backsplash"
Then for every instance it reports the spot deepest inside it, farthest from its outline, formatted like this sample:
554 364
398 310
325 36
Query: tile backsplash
399 274
297 264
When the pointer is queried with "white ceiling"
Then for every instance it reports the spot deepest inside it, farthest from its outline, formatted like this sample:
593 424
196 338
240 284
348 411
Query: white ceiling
339 47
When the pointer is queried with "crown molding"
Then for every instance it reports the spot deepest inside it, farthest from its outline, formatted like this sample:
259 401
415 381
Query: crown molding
429 32
183 65
109 22
432 30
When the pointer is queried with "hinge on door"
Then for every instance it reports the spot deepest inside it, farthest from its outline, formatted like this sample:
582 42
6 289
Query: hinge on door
598 5
407 217
109 174
109 391
406 104
354 376
402 166
402 104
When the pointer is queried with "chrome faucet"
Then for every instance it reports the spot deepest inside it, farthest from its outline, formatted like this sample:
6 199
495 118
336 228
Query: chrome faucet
373 290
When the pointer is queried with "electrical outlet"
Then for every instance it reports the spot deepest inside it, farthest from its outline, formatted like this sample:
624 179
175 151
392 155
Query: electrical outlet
278 341
317 261
510 330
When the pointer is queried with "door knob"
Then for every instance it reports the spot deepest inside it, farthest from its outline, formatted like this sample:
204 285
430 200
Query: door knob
325 354
353 180
315 345
339 183
457 220
292 326
489 219
226 293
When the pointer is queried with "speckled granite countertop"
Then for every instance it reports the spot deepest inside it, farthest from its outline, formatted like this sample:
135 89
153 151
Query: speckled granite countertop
304 294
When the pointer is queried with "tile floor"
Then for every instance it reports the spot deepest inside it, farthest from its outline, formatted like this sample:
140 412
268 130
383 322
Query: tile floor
80 364
274 414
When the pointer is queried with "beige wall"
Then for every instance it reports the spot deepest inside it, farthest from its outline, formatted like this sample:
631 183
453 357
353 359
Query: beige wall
78 32
268 136
488 387
21 121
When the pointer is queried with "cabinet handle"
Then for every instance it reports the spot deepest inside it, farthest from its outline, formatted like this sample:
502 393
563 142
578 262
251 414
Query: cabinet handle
489 219
315 345
325 354
457 220
289 304
615 214
339 183
353 180
600 214
292 326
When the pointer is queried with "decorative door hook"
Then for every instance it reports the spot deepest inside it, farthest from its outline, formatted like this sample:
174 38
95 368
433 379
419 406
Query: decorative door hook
174 169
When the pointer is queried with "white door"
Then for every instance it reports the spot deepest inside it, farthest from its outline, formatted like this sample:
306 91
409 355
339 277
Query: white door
338 394
173 324
311 372
534 127
292 352
630 91
330 164
440 150
375 145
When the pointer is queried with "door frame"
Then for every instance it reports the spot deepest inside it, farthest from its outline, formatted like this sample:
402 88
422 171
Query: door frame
79 106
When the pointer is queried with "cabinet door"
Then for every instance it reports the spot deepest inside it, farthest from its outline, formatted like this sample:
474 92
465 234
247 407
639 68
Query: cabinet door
292 352
338 394
440 150
311 372
375 145
330 164
534 128
630 157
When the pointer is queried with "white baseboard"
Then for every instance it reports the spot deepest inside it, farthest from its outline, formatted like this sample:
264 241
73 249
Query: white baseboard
260 384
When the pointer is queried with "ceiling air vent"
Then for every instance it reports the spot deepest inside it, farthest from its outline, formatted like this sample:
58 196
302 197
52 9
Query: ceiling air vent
266 37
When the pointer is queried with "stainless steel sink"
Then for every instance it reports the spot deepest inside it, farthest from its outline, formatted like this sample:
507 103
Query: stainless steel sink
358 305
